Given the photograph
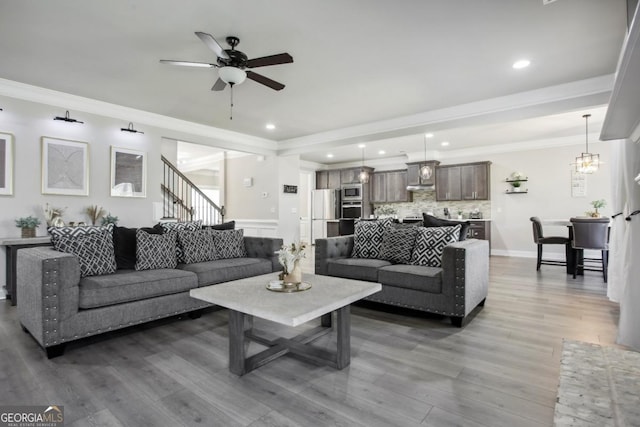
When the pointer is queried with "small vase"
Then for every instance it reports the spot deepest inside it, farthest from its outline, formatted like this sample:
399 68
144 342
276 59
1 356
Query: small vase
28 232
295 275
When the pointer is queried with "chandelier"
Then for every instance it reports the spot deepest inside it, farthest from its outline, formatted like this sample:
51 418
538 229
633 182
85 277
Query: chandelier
587 162
363 176
425 171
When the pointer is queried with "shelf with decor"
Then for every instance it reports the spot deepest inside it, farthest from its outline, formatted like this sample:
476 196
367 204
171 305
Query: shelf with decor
515 180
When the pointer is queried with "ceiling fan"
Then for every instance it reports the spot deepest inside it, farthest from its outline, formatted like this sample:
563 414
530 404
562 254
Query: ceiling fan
232 64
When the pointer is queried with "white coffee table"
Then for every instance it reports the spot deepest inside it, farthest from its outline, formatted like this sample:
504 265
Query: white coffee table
249 297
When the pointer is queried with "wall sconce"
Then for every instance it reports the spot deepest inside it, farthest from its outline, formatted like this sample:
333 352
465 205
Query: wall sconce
67 119
130 129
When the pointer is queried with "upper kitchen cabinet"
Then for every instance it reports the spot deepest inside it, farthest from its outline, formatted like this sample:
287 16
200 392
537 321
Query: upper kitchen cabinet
413 173
327 179
463 182
379 187
475 180
389 187
448 183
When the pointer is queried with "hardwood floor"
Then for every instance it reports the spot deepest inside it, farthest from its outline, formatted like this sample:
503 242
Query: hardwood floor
407 368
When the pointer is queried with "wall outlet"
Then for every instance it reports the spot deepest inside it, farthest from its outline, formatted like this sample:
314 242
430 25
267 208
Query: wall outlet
265 194
294 210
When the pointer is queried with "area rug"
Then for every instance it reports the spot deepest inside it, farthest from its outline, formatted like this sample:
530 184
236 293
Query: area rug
599 386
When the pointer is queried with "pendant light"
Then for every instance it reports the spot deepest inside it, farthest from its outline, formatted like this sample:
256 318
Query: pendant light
363 176
425 171
587 162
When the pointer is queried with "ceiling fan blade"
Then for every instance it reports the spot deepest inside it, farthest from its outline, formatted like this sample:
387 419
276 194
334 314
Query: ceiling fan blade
212 44
264 80
281 58
187 63
219 85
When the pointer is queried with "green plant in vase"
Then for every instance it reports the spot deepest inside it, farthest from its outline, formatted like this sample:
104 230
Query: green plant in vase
597 204
109 219
28 225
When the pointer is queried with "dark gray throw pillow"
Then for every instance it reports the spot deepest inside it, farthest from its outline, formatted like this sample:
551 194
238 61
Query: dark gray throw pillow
177 226
155 251
229 243
94 251
198 246
367 238
59 232
124 245
229 225
397 244
432 221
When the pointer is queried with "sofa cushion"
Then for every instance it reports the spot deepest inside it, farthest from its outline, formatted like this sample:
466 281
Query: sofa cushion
224 270
367 238
229 225
229 243
427 279
58 232
430 243
356 268
94 251
131 285
155 251
197 246
433 221
124 245
177 226
397 244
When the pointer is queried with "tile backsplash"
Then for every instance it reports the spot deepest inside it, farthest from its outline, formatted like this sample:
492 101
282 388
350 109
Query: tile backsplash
425 201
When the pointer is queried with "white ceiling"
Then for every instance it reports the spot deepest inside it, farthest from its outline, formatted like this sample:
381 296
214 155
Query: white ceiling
356 63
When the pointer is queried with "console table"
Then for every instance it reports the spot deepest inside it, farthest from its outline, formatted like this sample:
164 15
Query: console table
13 244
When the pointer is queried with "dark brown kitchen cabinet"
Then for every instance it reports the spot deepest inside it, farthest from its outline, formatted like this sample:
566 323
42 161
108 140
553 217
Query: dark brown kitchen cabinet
390 187
463 182
448 183
413 173
474 180
480 230
334 179
327 179
350 176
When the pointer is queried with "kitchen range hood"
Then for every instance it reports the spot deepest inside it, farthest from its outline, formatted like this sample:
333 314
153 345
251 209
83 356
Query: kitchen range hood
416 178
421 187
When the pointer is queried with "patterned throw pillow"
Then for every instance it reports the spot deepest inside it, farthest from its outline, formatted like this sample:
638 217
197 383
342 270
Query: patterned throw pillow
177 226
59 232
430 243
155 251
229 243
197 245
397 244
94 251
367 238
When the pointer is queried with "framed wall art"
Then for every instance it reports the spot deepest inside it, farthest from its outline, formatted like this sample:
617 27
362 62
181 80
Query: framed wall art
6 164
128 173
65 167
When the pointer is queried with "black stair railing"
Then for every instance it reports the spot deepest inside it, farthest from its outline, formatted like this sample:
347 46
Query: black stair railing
184 201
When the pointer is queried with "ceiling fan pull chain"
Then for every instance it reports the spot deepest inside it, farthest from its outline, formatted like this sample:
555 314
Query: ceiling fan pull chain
231 107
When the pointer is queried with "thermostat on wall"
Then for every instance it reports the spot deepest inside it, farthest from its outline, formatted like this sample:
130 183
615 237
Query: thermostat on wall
248 182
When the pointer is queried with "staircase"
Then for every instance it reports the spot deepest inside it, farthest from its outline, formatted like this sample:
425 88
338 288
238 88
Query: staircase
184 201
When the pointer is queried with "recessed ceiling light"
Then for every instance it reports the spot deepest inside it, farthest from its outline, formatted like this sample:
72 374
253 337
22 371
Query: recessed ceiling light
270 126
330 155
523 63
444 143
382 152
361 145
428 135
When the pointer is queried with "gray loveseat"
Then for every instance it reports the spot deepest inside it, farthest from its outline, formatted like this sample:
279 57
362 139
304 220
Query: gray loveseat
453 290
57 306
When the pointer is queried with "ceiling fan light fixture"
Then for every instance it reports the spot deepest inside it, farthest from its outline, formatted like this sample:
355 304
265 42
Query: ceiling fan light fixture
232 75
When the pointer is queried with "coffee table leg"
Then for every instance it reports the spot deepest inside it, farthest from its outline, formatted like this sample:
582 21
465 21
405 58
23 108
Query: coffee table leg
237 349
344 337
325 320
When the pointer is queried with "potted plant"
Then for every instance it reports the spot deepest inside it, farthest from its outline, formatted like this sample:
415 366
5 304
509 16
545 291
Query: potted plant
28 225
110 219
597 204
515 179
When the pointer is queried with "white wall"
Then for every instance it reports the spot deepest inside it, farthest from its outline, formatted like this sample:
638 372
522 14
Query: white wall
289 218
260 200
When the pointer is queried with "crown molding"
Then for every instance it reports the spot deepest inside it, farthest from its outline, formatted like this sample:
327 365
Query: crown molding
223 138
534 103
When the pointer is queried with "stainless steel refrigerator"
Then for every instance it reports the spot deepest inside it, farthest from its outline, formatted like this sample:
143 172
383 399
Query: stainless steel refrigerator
325 206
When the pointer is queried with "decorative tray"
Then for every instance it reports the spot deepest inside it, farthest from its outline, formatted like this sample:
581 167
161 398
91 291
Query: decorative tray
279 286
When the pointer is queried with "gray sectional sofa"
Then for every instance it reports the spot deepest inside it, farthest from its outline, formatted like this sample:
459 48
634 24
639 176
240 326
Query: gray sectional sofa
56 305
454 289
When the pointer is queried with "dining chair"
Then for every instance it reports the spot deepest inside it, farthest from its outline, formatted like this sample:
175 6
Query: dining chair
591 233
539 239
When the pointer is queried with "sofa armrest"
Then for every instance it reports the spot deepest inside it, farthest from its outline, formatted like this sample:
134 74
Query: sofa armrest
264 247
465 274
47 286
332 247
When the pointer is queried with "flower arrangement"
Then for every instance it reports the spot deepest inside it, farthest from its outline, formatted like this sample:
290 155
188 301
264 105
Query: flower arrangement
28 225
95 212
289 255
53 216
597 204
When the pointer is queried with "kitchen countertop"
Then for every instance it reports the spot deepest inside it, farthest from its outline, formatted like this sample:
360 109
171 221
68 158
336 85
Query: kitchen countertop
448 219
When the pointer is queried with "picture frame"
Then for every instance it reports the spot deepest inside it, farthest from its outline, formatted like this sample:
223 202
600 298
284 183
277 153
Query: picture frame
128 172
6 164
65 167
290 189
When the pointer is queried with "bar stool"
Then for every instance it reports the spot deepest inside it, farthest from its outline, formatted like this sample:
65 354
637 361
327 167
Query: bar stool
591 233
539 239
